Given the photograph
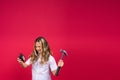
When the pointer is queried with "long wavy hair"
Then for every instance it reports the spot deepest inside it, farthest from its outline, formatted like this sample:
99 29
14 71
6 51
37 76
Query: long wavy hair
46 52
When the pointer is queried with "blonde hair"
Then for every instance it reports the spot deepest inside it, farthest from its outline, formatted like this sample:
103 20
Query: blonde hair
45 51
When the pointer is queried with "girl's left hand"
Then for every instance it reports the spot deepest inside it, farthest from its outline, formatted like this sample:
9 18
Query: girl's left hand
60 63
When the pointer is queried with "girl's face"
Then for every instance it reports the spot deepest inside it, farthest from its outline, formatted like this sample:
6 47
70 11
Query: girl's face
38 47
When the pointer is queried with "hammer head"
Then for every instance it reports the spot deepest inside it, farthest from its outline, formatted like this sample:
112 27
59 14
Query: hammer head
64 53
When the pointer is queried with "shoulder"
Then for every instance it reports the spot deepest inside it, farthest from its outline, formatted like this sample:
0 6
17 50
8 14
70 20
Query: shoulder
51 58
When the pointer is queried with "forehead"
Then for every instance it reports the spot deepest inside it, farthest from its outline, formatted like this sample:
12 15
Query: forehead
38 43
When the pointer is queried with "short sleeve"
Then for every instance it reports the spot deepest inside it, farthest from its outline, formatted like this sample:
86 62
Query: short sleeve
28 62
53 65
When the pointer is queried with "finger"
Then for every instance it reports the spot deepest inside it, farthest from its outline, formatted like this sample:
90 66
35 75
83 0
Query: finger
19 60
60 63
60 60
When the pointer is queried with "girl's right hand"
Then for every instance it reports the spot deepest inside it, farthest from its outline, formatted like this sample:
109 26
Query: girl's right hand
23 64
19 60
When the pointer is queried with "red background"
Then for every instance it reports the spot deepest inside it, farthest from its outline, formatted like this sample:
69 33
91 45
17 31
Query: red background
87 29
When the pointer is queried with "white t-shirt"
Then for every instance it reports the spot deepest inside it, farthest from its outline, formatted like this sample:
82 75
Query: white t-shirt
42 71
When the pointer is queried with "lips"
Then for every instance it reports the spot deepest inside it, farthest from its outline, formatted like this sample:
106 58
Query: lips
39 50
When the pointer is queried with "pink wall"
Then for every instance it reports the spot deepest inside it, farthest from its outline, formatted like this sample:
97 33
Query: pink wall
89 30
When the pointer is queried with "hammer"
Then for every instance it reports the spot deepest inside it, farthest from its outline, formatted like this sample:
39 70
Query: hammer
64 53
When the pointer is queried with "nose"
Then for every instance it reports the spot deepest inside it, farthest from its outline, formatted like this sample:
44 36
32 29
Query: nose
37 48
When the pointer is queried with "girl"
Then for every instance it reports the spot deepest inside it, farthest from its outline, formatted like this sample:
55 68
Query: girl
43 63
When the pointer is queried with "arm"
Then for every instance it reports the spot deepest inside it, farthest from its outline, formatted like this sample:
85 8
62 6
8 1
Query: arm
60 64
